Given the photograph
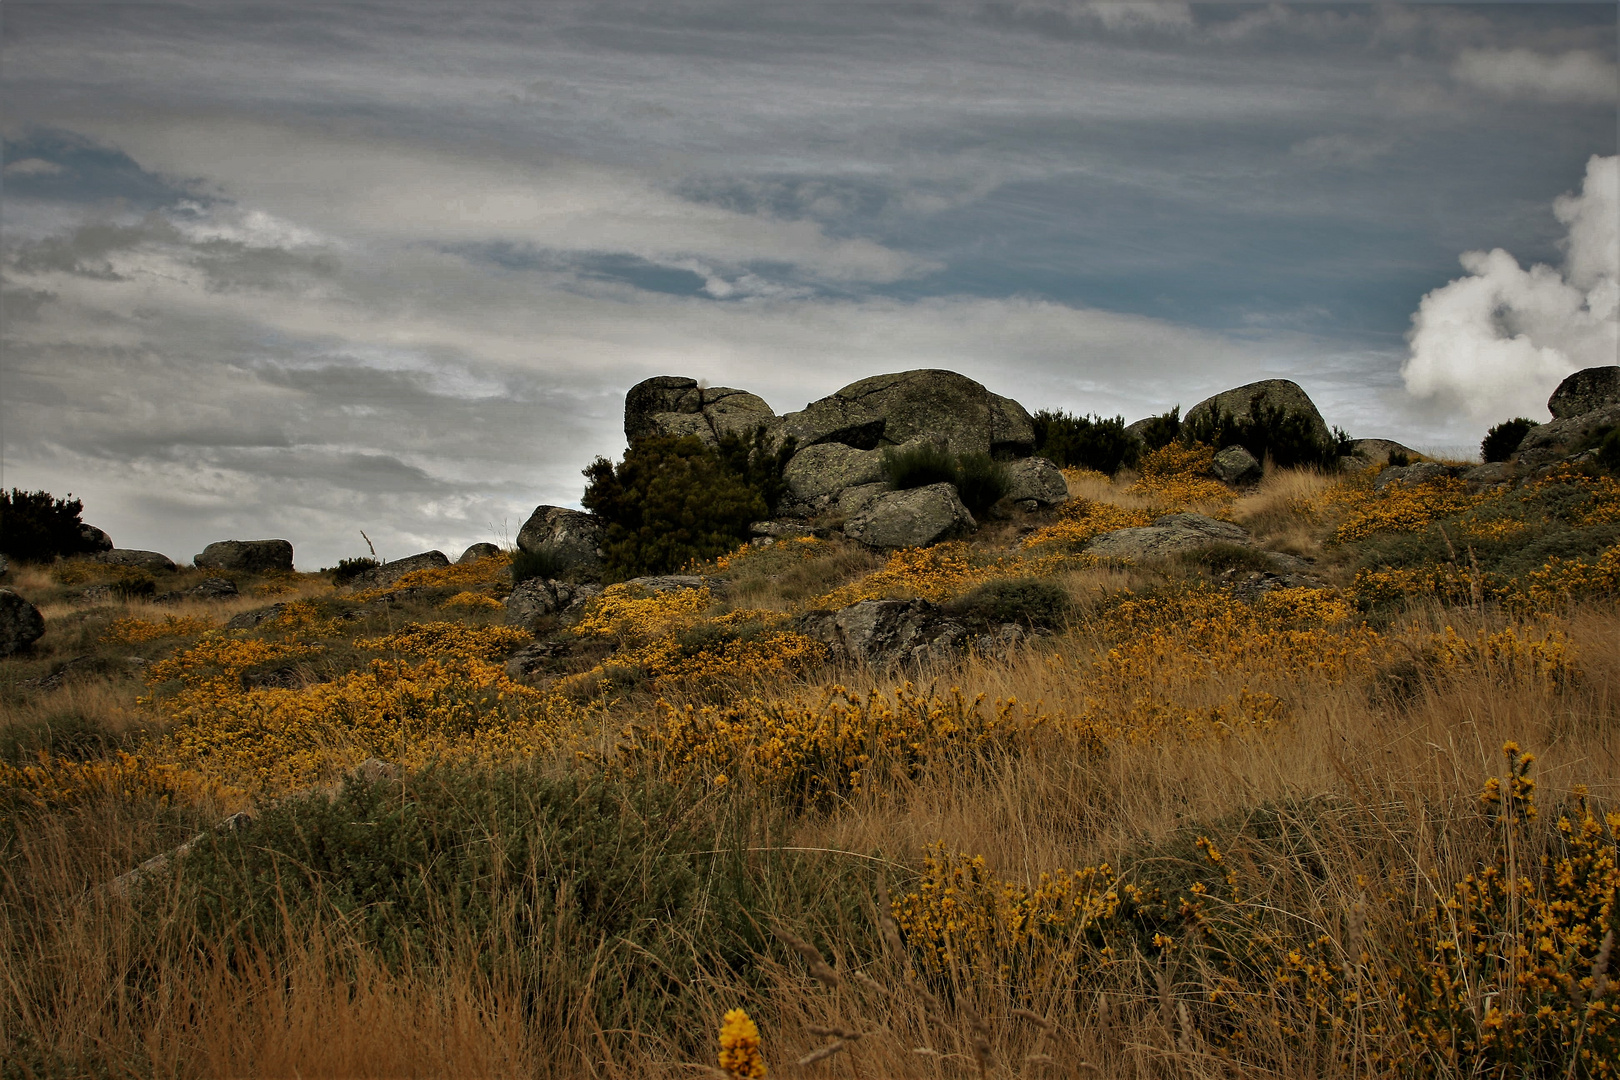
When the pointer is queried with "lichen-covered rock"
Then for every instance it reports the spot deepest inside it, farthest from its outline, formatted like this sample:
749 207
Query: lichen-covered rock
536 597
853 500
135 558
887 633
676 405
1241 402
1490 474
1236 467
94 539
213 588
572 537
1036 480
914 518
1585 391
391 571
1557 439
889 410
1168 535
1365 452
477 552
246 556
20 623
1419 472
672 582
820 473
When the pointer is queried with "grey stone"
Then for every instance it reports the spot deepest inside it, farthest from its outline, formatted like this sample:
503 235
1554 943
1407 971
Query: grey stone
573 537
213 588
1241 402
1419 472
94 539
1168 535
779 530
827 469
673 582
538 597
532 659
20 623
1585 391
133 557
247 620
1254 584
890 410
1036 480
1490 474
886 633
1365 452
1551 441
391 571
1236 467
478 551
676 405
246 556
914 518
853 500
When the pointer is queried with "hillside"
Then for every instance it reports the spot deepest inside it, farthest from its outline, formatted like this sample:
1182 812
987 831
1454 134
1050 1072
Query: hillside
1311 771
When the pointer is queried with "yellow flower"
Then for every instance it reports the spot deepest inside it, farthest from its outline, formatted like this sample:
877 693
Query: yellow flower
739 1046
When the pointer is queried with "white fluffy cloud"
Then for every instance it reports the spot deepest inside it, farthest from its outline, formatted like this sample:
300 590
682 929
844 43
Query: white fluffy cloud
1577 76
1496 343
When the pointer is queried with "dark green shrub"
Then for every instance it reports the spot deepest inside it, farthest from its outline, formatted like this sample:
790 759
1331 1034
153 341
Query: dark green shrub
133 584
918 466
1162 430
1267 431
348 569
1089 442
1221 557
1399 459
758 461
1502 440
1017 600
543 563
37 527
669 503
1609 451
981 482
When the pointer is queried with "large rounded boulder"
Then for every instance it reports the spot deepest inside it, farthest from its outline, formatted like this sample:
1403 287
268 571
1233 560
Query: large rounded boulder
890 410
676 405
1276 404
917 517
571 537
246 556
20 623
1585 392
1584 406
155 561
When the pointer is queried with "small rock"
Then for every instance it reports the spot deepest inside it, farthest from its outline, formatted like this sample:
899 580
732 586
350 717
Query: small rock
856 499
886 633
533 658
1365 452
1490 474
673 582
1420 472
780 530
213 588
281 678
133 557
5 567
477 552
537 597
20 623
247 620
1236 467
915 518
97 594
1036 480
246 556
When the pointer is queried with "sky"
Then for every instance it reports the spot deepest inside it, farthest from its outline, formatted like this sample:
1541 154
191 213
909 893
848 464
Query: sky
300 270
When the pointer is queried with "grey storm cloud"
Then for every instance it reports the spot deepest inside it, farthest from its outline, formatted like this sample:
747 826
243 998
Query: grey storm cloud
305 269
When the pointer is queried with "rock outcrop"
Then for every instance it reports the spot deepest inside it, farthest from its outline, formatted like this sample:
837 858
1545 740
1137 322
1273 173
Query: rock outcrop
1034 482
478 551
1585 392
20 623
818 474
1241 404
1585 405
1365 452
572 537
135 558
94 539
914 518
1168 535
212 588
536 597
1236 467
391 571
1420 472
246 556
676 405
889 410
887 633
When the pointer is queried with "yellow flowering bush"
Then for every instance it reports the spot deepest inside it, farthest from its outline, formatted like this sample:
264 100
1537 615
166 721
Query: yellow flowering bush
627 612
1506 654
449 638
1079 520
493 572
54 783
1403 507
137 631
740 1053
670 664
1560 581
1177 477
935 573
472 600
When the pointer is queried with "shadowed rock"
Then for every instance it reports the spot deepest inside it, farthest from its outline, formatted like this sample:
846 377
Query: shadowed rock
1421 472
134 557
1036 481
1168 535
1236 467
1242 403
390 572
914 518
572 537
478 551
94 539
536 597
889 410
676 405
1367 452
246 556
20 623
1585 391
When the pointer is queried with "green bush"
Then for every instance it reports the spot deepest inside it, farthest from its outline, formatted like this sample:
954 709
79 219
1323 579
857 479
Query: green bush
918 466
543 563
1502 440
981 482
1162 430
1609 450
671 502
37 527
1268 431
1030 601
1089 442
348 569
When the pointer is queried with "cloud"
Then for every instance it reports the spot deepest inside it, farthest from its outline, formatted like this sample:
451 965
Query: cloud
32 167
1578 76
1343 149
1497 342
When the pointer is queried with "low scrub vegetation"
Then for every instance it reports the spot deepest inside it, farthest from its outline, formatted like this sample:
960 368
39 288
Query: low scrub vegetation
1361 825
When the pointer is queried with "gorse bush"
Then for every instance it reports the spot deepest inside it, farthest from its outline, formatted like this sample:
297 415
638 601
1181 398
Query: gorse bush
981 482
38 527
674 501
1269 430
1162 430
1085 442
918 466
1502 440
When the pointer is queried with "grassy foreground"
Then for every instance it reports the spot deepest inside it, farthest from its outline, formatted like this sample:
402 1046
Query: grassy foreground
1366 829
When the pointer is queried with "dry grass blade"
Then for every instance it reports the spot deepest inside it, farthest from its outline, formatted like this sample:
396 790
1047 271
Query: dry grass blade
833 1032
1035 1018
819 968
824 1053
